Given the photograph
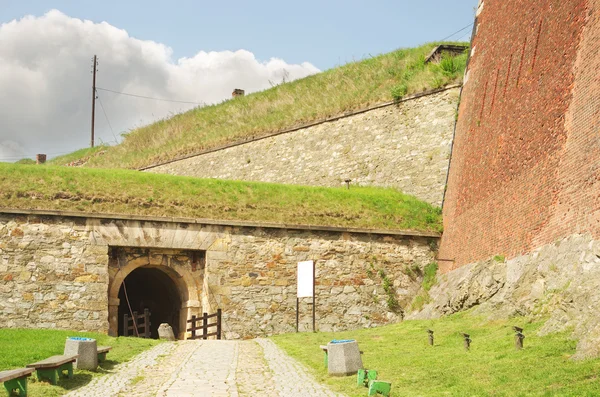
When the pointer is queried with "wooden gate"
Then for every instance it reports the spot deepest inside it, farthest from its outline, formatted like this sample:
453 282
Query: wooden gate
137 328
201 323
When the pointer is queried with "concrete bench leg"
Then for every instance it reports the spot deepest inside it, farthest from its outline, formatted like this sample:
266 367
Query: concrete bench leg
19 384
47 374
381 387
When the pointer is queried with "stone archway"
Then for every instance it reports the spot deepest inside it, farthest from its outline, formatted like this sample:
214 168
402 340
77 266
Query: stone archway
171 272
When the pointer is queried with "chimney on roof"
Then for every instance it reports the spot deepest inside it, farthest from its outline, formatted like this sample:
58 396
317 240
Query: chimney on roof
40 158
237 92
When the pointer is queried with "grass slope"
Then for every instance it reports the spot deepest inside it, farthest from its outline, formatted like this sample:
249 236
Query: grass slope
349 87
139 193
20 347
400 354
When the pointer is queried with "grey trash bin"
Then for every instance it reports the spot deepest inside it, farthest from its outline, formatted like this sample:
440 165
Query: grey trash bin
87 350
343 357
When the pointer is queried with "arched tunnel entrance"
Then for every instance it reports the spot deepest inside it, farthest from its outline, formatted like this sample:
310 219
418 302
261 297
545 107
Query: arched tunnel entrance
151 288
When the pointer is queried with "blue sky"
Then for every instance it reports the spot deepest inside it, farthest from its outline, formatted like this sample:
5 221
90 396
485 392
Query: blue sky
194 51
324 33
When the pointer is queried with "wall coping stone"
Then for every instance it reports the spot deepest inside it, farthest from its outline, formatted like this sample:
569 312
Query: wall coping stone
303 126
202 221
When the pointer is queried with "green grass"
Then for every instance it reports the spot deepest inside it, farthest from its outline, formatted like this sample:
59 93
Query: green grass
20 347
79 155
429 275
350 87
25 161
400 353
140 193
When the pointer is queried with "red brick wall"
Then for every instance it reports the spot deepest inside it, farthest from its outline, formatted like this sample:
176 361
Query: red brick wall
526 161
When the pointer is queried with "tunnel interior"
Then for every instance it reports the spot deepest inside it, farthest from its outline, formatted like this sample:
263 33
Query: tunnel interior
150 288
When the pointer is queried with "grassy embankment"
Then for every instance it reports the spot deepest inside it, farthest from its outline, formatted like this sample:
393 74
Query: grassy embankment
20 347
139 193
349 87
401 354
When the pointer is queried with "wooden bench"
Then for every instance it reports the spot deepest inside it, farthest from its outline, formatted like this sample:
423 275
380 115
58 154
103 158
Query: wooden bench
16 379
52 368
102 351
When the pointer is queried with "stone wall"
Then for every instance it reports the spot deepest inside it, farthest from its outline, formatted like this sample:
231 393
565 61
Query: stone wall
50 274
525 164
66 272
254 280
558 282
405 146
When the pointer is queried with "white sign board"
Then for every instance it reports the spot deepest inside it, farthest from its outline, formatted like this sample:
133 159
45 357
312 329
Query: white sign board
305 279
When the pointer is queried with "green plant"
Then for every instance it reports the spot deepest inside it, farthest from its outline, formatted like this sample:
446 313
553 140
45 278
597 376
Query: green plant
388 287
429 275
420 300
413 271
499 258
399 91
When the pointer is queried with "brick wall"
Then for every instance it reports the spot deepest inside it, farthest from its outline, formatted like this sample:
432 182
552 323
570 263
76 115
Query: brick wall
526 166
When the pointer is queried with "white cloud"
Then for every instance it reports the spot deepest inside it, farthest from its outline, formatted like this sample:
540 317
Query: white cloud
45 81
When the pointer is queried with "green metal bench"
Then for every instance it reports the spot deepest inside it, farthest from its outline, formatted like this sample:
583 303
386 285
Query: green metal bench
364 376
16 380
102 351
379 387
53 367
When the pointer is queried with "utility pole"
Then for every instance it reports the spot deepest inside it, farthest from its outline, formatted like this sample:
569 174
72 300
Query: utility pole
94 70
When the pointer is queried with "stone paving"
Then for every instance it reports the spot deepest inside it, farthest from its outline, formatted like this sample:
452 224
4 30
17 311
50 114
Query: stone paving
123 374
208 368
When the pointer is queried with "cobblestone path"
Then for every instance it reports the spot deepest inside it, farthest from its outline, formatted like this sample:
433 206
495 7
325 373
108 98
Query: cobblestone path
210 369
123 374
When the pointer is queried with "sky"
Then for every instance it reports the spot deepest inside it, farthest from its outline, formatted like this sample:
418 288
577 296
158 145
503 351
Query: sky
190 51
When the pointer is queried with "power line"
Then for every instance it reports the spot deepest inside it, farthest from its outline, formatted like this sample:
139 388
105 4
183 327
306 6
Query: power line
148 97
107 120
458 31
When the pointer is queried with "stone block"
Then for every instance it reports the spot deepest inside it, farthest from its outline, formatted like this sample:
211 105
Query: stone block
87 350
343 358
165 331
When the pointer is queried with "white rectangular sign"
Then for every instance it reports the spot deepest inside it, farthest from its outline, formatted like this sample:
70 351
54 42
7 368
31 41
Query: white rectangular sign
305 279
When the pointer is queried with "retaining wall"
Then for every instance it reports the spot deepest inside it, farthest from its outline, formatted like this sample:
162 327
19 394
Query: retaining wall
404 146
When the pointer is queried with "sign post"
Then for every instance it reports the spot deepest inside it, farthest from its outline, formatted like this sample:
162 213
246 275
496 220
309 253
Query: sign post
305 288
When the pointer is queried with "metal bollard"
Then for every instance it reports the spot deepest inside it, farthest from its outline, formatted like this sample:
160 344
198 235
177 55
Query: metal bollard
467 341
518 337
430 332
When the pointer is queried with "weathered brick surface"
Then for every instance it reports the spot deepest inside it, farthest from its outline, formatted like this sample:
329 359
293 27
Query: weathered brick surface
525 165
